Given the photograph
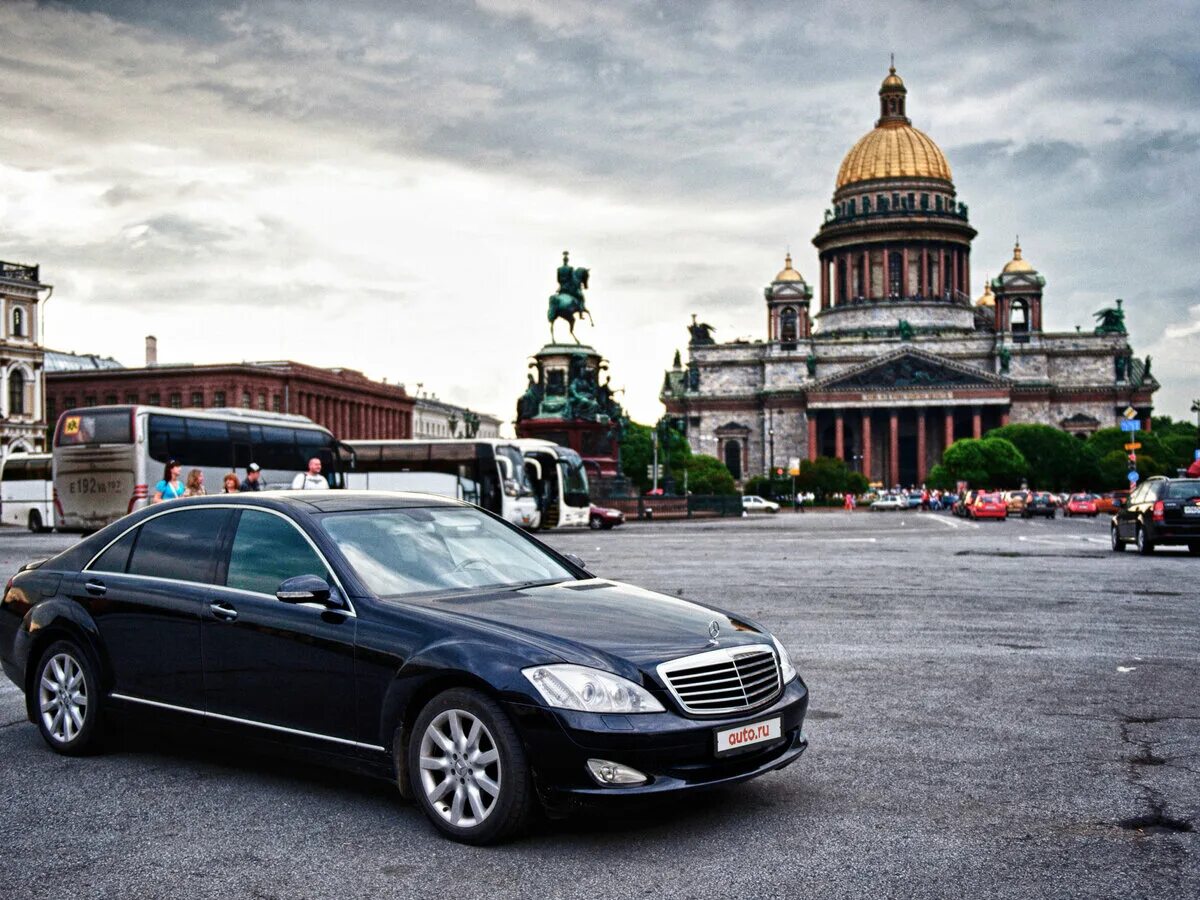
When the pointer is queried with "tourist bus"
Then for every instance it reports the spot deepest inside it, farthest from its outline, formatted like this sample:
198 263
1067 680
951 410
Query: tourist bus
489 472
27 491
107 459
560 482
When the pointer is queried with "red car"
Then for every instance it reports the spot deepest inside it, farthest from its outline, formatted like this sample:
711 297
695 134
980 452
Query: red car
989 506
604 517
1081 505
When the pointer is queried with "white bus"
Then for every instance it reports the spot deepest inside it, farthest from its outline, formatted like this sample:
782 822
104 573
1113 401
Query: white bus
27 491
107 459
489 472
560 482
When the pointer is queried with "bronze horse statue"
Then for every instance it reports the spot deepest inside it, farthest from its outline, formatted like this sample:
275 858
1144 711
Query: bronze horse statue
568 303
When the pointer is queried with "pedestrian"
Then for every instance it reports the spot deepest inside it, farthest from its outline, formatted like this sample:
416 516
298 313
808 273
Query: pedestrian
230 484
800 501
312 480
170 487
252 481
194 486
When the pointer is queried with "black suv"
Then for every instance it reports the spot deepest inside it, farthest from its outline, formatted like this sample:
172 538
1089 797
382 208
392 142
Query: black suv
1039 504
1160 511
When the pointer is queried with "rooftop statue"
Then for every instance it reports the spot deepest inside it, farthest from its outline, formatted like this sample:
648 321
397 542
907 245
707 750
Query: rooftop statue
568 303
701 332
1111 321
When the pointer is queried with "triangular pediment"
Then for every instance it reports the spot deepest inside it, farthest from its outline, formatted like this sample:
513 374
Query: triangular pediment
909 368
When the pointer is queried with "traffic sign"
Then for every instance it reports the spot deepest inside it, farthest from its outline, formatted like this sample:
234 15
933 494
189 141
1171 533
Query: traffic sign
1131 425
1133 446
1130 412
1133 476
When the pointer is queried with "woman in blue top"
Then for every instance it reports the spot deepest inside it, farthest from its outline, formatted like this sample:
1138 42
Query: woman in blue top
170 487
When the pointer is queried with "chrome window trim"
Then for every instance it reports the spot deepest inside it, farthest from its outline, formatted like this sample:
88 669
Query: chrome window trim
723 655
239 721
243 506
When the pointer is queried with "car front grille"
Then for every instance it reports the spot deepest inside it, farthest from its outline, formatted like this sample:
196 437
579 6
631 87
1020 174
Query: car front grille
723 681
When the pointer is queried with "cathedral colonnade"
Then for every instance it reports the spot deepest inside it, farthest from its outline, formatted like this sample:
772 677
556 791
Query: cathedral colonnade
897 445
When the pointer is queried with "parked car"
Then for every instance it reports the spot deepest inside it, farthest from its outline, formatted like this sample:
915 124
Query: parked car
1015 501
754 503
890 501
1111 501
989 506
1161 511
604 517
1080 505
418 637
1040 503
962 506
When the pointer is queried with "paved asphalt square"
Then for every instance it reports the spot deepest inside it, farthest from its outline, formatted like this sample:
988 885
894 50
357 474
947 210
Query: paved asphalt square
996 708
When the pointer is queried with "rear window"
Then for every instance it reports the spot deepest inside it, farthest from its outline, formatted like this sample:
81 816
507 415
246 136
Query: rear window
17 469
180 545
85 426
1182 490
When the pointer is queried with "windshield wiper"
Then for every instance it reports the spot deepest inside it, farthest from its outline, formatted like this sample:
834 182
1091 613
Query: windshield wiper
545 582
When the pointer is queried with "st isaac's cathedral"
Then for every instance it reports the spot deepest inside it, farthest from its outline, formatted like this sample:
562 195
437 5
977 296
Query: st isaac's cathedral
894 361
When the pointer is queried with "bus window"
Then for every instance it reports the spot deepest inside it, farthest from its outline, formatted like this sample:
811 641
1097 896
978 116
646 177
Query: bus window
168 438
207 444
80 427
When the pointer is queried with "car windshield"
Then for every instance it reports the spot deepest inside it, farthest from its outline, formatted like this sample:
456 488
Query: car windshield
1182 490
396 552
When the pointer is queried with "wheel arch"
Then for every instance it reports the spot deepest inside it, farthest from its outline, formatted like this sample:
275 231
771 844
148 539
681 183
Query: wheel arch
54 625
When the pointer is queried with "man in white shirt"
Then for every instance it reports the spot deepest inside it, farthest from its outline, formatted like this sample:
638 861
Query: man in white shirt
312 480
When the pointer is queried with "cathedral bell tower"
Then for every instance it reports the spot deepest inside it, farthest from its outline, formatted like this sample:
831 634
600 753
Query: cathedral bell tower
788 297
1018 299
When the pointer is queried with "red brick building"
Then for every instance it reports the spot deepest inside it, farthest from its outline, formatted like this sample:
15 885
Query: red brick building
343 400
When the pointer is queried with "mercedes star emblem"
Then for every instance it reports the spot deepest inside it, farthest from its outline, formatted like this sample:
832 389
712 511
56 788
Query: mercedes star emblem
714 628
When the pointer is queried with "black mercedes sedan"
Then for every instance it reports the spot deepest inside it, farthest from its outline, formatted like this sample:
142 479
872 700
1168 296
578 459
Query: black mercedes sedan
418 637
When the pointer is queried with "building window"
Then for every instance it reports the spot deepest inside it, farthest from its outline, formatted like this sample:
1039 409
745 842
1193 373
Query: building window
787 325
175 401
895 271
68 402
131 397
245 399
89 399
853 206
18 322
924 201
51 410
733 458
218 398
198 399
110 400
262 400
16 392
155 399
276 403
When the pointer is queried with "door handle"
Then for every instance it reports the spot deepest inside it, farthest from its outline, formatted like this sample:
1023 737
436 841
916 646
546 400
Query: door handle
223 611
95 587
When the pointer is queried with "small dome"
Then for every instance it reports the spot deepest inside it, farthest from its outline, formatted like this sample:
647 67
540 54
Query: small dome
787 273
893 81
1016 264
988 298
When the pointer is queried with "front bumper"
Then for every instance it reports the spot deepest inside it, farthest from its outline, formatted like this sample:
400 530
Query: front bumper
678 754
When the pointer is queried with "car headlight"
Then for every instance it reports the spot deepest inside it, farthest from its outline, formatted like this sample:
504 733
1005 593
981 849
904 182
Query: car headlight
787 670
568 686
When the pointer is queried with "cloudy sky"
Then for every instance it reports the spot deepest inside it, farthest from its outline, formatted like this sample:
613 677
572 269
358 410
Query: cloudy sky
388 185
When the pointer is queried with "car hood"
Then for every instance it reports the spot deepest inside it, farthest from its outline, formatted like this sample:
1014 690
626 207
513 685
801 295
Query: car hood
583 620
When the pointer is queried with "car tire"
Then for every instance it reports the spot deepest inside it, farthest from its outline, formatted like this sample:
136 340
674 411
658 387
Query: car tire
595 523
65 699
1144 544
444 791
1118 545
1194 549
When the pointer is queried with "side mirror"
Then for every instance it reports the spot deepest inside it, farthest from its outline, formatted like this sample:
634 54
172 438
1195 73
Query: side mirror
534 468
304 589
505 467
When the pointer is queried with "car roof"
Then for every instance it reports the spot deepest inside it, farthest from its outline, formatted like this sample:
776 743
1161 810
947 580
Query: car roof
330 501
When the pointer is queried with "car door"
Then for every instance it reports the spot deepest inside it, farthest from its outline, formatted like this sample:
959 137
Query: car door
146 592
1127 516
268 662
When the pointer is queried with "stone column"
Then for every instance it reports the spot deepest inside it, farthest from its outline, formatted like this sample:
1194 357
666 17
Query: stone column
976 422
839 434
866 443
923 281
949 428
887 281
921 446
866 274
893 449
824 283
904 271
812 435
1004 418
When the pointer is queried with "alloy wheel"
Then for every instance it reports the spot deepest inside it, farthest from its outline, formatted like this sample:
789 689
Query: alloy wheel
62 697
460 768
1117 544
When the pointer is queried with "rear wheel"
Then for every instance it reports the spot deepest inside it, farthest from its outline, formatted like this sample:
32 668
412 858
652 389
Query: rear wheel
1144 544
67 699
1118 545
468 770
595 523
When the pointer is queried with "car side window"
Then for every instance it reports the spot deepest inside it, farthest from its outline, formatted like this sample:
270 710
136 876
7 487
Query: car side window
267 550
116 557
180 545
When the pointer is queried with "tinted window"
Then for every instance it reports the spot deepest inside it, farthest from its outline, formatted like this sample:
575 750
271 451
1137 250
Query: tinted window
87 427
268 550
179 545
168 438
1182 490
207 444
116 557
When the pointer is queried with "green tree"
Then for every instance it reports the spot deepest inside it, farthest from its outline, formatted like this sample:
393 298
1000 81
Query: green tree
984 463
637 452
823 476
707 475
856 483
1055 459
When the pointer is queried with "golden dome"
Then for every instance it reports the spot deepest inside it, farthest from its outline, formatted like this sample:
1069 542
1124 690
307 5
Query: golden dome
892 81
893 150
787 273
1016 264
988 298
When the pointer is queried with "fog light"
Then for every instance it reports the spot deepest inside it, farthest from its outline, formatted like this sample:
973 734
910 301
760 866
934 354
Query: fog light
607 772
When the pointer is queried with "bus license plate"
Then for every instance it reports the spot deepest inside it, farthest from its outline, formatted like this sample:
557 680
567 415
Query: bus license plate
732 739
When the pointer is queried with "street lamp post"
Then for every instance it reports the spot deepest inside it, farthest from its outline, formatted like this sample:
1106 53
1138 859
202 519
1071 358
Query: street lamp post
1196 410
771 443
